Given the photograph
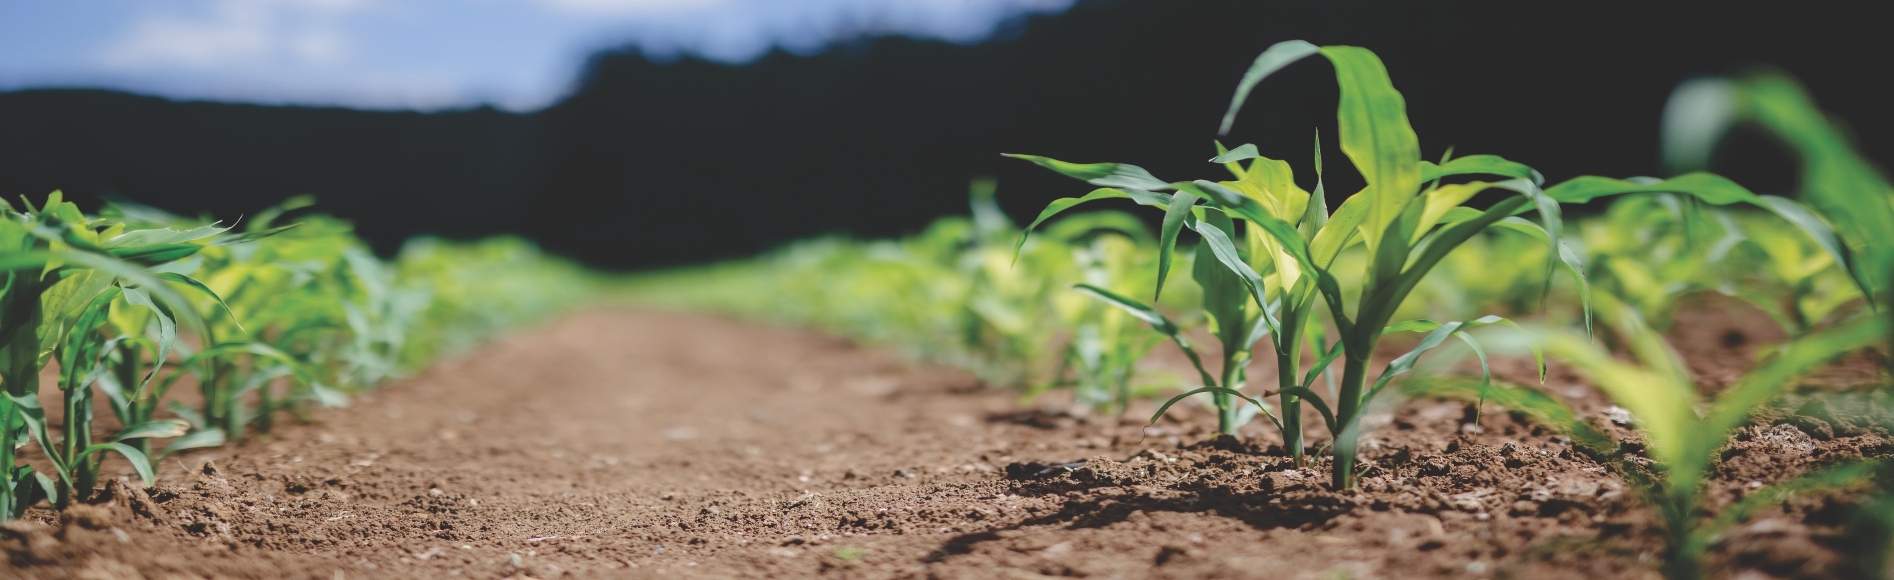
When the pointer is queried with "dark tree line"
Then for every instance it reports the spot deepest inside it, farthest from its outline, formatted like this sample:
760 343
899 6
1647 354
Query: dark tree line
656 162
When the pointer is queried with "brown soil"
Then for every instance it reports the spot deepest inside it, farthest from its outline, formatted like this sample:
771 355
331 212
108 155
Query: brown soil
638 444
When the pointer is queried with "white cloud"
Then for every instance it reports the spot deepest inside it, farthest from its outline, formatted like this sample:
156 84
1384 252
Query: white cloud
520 54
629 7
236 33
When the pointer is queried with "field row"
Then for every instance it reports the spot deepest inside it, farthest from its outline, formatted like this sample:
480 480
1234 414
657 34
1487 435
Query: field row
261 318
1080 300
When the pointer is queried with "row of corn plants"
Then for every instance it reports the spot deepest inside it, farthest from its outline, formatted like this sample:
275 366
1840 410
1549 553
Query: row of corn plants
1275 273
262 319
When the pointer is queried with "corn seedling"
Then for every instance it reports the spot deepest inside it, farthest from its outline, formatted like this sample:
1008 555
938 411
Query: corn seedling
264 295
64 272
1106 343
1837 181
1294 240
1407 219
109 299
1682 441
1779 272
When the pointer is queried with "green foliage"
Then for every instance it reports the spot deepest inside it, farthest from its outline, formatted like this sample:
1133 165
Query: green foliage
1267 252
1406 220
968 292
135 300
1844 187
1683 431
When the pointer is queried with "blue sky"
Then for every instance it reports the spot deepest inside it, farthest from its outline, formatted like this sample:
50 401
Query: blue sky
424 54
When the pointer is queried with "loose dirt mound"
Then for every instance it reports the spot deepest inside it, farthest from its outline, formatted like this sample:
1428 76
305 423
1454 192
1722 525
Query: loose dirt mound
636 444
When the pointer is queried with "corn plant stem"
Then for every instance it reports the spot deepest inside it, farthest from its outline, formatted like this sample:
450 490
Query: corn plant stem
1287 371
1686 549
77 437
20 380
1226 408
1121 378
136 412
1354 377
265 407
215 391
7 417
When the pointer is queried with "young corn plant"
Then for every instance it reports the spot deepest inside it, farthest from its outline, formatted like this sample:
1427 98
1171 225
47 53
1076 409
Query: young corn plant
1634 251
1795 283
1106 343
1009 326
64 271
1292 236
265 292
1683 440
1839 183
1407 218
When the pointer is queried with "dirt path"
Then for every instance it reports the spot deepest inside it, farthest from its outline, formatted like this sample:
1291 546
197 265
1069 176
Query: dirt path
636 444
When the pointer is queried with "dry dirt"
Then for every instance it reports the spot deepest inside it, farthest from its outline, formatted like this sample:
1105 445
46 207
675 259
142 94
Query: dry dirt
633 444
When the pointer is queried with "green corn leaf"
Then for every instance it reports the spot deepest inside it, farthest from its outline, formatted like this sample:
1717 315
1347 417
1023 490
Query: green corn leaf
1377 309
34 417
132 455
1334 352
1823 235
114 394
1718 190
167 332
268 216
1416 325
1118 175
200 287
153 255
199 439
1224 292
1709 187
1665 406
1836 179
1486 373
1315 213
161 237
1321 406
1062 204
110 265
1075 228
1235 202
1242 152
327 397
1210 389
1573 263
29 487
1480 165
248 237
1436 334
189 415
1265 322
82 347
1271 60
1157 321
1375 134
1341 230
1225 252
184 266
1174 217
160 429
